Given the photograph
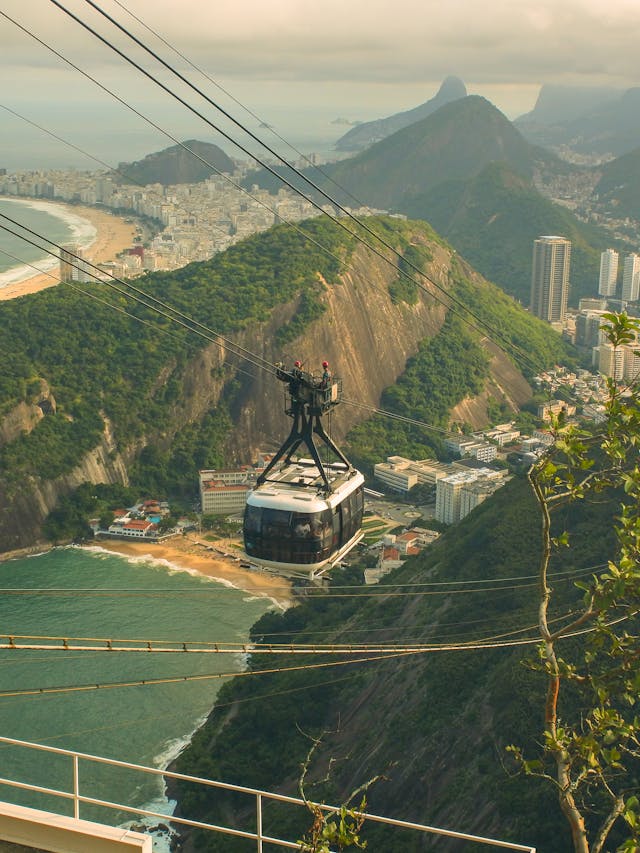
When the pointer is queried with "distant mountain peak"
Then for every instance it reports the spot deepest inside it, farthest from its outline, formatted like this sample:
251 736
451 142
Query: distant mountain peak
366 133
176 165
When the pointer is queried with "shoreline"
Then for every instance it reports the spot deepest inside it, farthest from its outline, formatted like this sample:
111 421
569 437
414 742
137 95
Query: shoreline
187 555
113 235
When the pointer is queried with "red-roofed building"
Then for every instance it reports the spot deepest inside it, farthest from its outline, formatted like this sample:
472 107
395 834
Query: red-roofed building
134 528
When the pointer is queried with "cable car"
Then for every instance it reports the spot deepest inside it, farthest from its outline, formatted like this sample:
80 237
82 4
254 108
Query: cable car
304 515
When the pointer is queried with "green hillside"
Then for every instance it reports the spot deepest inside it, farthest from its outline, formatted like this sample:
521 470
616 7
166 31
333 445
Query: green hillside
447 368
493 219
454 143
98 361
619 186
436 725
468 171
175 165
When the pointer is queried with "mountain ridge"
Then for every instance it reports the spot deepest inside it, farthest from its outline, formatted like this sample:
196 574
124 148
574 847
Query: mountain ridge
175 165
366 133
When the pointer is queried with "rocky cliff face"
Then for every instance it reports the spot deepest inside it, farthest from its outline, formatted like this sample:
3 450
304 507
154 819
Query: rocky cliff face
27 414
364 335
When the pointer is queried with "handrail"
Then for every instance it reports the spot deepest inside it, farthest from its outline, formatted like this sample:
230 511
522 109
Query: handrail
260 796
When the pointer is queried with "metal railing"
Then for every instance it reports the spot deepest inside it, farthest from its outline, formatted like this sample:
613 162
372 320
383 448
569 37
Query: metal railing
259 836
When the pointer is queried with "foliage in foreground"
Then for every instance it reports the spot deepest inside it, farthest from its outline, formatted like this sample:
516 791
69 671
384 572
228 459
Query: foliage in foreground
591 743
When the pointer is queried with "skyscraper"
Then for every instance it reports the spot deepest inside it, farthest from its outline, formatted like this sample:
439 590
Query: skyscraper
608 273
631 278
550 278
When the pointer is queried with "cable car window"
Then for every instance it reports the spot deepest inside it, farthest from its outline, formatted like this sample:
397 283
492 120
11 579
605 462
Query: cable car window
252 519
275 522
347 531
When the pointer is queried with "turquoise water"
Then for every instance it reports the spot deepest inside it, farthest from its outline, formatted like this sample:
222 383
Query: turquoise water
73 592
41 221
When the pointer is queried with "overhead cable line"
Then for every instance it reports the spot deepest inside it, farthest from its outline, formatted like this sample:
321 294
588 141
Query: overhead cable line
116 645
346 212
40 691
387 586
179 318
452 647
198 328
239 103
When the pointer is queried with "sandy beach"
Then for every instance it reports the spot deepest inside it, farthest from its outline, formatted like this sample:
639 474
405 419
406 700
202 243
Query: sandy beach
113 236
187 554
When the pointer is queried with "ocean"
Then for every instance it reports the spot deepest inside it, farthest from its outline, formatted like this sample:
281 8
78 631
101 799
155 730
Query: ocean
51 220
77 592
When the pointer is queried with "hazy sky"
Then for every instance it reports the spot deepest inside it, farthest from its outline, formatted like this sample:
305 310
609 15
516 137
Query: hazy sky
297 64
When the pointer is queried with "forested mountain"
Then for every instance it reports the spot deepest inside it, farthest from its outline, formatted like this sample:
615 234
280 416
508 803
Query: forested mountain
609 127
175 165
89 394
619 187
468 171
455 143
493 218
436 725
565 103
368 132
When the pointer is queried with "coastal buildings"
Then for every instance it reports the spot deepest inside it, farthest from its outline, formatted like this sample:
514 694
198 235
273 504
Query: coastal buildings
195 221
608 273
73 267
224 491
550 278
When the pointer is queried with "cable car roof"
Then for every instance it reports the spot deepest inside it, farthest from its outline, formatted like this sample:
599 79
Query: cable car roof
298 486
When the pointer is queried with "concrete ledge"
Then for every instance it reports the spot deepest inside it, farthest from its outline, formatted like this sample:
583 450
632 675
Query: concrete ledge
58 834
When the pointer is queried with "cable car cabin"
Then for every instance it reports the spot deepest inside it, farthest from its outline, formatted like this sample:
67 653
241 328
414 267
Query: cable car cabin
294 526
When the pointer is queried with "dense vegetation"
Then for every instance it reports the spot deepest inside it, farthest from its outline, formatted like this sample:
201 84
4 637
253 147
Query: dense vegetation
493 218
619 186
449 367
99 361
446 368
175 165
436 725
467 170
454 143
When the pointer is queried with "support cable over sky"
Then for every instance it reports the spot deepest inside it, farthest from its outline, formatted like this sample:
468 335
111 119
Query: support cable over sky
493 333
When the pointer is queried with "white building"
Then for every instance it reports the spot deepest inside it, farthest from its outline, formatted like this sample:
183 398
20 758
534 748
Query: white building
458 494
224 490
218 498
631 278
466 446
608 273
402 474
609 360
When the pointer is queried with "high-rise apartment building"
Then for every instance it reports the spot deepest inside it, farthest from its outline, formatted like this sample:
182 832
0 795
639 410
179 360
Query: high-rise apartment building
608 273
631 278
73 267
550 278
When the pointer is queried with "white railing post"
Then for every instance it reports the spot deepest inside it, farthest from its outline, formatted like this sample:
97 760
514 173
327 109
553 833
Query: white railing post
76 788
259 835
259 821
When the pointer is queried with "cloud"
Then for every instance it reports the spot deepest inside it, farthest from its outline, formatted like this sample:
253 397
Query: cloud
337 47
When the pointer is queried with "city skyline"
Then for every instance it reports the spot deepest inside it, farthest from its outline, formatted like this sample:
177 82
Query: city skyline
298 67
